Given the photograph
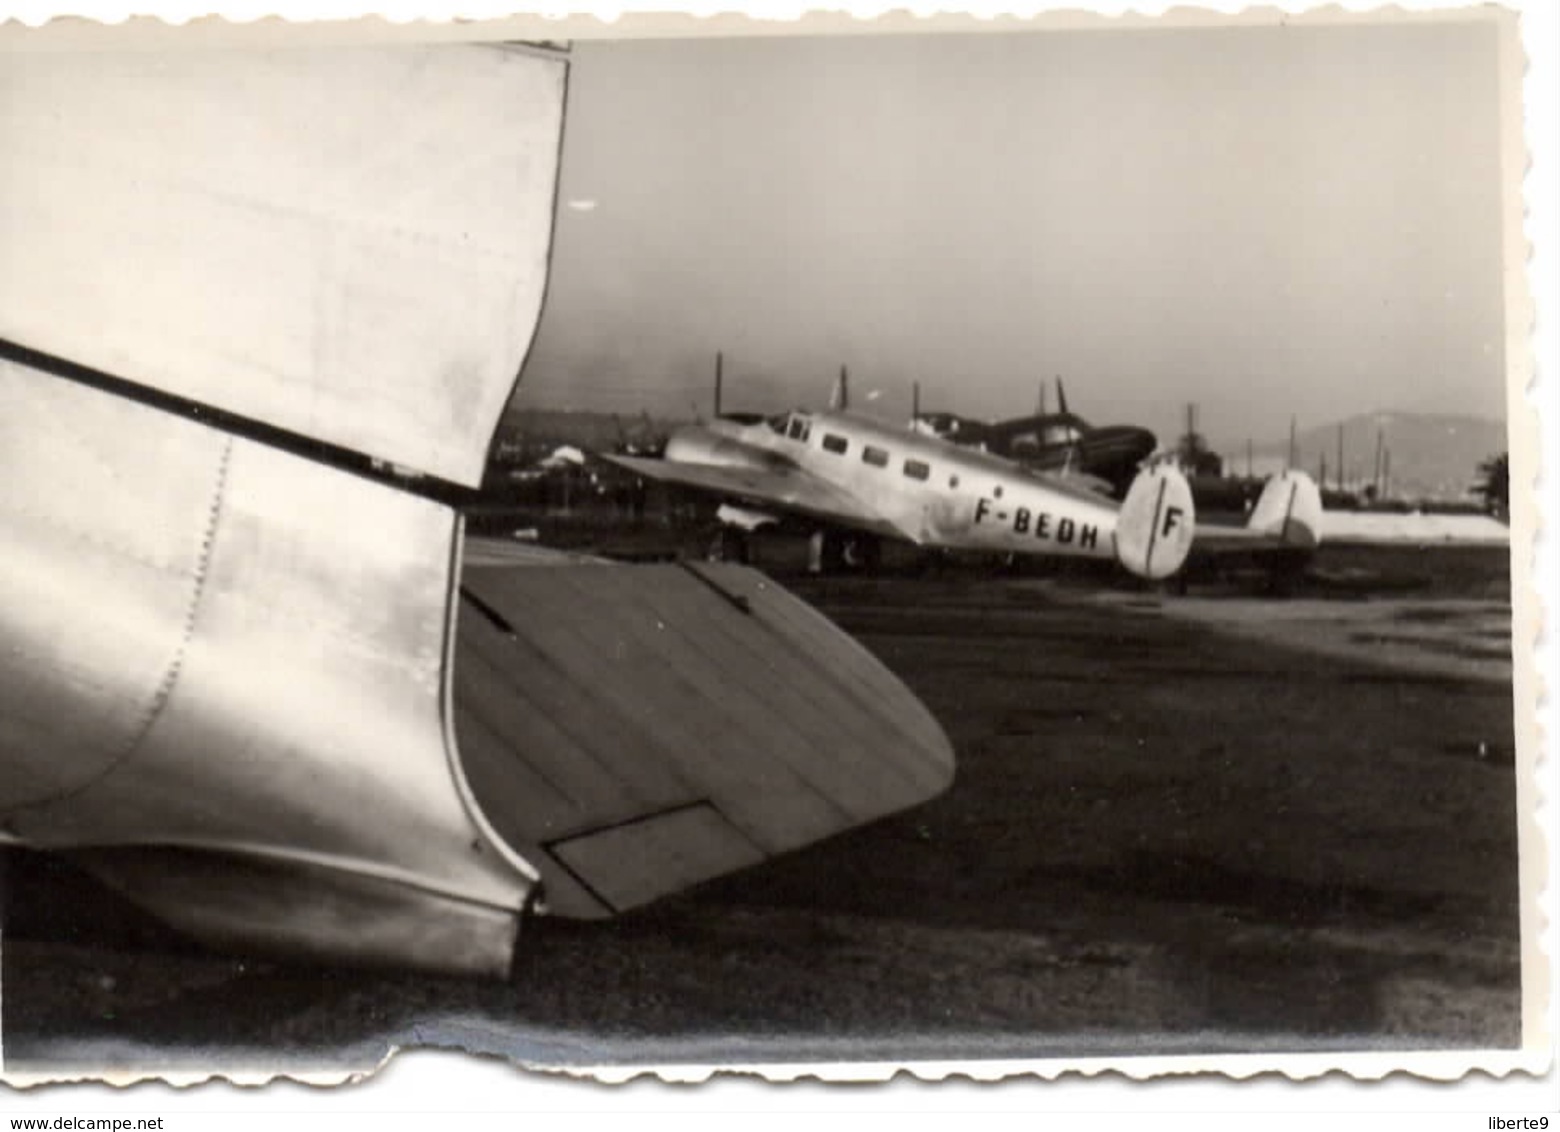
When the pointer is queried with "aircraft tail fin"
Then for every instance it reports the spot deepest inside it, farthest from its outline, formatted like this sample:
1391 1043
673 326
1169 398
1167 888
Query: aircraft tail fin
1154 527
1289 509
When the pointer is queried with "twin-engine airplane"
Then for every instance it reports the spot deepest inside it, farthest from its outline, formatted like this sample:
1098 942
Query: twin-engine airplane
860 481
253 680
857 481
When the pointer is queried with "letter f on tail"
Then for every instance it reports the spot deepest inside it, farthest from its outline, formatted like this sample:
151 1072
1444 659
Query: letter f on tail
1155 526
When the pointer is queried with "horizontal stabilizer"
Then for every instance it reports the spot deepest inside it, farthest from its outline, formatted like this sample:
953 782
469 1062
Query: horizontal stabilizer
632 730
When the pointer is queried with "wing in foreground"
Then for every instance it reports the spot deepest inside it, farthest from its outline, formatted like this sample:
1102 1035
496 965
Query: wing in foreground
232 683
635 729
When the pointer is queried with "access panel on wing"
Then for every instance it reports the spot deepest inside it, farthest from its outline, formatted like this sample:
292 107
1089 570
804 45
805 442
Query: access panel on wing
632 730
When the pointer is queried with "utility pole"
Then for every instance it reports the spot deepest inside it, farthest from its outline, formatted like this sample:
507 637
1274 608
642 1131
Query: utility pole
915 401
1293 455
1375 479
1340 456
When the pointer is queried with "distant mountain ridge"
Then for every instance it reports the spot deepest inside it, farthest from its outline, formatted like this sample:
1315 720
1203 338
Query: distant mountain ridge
1430 455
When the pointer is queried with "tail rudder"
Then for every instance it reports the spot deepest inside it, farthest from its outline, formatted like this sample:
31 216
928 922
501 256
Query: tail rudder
1155 525
1289 509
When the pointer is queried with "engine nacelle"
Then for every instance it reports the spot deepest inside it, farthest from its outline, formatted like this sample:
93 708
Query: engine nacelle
726 444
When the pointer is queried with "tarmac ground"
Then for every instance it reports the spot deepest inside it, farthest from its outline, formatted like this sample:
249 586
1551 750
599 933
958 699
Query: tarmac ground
1218 822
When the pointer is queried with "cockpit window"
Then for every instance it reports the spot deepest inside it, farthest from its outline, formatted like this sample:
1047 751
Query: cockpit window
798 429
1061 434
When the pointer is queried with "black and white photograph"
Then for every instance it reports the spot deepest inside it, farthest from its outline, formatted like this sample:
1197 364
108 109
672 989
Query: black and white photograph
967 543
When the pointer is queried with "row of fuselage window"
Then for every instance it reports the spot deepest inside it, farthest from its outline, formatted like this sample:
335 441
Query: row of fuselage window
877 457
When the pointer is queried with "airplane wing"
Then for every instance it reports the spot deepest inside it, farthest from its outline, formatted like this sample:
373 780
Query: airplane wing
632 730
209 247
245 679
791 490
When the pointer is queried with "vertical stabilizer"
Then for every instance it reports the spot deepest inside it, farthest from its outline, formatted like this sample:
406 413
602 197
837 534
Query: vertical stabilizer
1154 529
1289 509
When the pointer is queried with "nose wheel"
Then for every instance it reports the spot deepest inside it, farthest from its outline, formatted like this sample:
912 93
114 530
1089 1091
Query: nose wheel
835 552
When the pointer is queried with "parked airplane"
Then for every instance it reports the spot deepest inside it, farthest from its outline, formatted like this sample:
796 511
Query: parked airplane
860 481
1061 442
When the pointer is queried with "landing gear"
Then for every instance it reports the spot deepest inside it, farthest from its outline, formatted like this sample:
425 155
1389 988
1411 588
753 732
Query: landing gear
825 552
863 552
730 545
833 552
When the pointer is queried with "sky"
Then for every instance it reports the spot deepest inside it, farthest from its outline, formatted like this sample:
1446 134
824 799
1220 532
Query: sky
1264 221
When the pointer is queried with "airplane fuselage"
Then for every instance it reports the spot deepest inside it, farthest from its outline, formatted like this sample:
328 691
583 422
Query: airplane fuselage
931 492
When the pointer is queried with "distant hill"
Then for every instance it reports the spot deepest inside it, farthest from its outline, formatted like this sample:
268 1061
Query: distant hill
1432 456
